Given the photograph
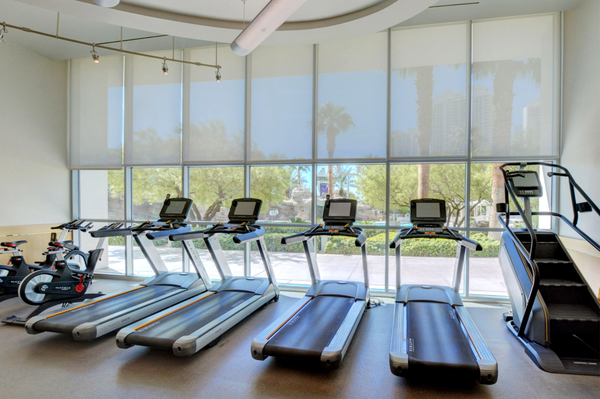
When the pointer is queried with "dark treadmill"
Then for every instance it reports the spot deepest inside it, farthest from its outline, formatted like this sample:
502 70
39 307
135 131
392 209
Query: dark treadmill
95 318
320 326
191 325
433 335
66 322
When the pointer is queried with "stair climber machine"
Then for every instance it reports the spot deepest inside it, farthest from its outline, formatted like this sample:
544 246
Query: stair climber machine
320 326
17 268
62 283
201 320
555 314
93 319
432 333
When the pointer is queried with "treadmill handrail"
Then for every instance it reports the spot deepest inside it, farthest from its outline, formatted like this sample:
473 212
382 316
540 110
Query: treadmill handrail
111 233
251 236
354 232
454 235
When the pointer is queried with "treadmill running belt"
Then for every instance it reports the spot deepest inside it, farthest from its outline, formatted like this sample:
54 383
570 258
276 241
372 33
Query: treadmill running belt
165 331
310 330
436 341
66 322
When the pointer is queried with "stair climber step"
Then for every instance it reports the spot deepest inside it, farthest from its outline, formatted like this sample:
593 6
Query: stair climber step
556 282
575 312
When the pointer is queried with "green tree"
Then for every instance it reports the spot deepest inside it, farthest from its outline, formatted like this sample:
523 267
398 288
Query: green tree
270 183
332 120
215 188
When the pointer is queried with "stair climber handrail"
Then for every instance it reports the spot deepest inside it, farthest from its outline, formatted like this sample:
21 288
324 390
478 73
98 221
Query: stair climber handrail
535 271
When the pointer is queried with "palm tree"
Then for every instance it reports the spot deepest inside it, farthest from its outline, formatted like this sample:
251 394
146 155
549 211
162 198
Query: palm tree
332 120
424 82
343 177
299 170
505 73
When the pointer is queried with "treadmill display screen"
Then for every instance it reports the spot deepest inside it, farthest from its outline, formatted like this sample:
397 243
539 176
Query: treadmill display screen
527 180
428 210
245 208
175 207
340 209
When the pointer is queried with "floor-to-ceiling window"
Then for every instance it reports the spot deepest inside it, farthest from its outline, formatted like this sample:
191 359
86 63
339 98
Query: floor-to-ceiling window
427 111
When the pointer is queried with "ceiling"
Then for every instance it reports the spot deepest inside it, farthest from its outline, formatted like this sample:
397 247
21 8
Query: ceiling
197 23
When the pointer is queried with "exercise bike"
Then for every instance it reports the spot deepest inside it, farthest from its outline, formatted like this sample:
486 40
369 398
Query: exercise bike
12 274
60 285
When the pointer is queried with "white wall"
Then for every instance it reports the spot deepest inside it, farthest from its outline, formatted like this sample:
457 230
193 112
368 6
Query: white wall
581 128
33 138
581 108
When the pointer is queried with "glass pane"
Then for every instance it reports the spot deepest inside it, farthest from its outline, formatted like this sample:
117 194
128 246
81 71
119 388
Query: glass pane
513 87
170 252
150 188
487 190
155 136
442 181
425 261
101 194
216 124
282 98
429 91
212 190
234 254
351 120
340 259
112 260
96 110
485 276
285 191
365 183
288 261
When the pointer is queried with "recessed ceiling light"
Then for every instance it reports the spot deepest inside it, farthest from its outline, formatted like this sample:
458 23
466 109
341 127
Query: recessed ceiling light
107 3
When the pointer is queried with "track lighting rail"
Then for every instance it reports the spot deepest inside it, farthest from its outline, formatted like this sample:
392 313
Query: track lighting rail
103 46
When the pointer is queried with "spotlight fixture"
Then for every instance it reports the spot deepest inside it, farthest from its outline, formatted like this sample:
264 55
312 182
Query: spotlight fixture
107 3
165 68
2 32
95 55
218 71
266 22
218 75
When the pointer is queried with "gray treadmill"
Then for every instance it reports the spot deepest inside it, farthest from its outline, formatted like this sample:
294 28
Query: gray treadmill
320 326
201 320
432 334
95 318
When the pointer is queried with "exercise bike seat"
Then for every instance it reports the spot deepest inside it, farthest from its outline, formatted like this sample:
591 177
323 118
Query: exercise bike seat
12 244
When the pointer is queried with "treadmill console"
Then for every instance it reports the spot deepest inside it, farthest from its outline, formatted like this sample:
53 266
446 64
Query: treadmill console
175 209
339 212
244 210
428 214
525 183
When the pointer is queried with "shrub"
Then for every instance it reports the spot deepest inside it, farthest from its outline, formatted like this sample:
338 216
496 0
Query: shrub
415 247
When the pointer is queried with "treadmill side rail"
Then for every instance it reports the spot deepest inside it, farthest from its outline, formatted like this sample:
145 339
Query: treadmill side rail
334 353
488 367
398 355
189 344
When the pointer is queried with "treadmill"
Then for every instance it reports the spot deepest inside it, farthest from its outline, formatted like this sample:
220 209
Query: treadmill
320 326
555 314
95 318
201 320
432 333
